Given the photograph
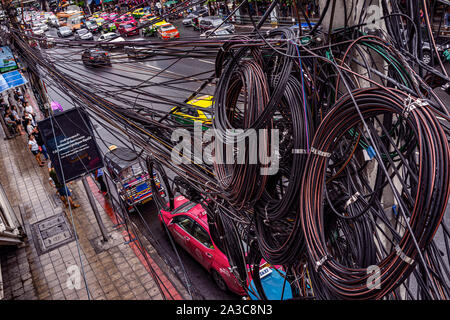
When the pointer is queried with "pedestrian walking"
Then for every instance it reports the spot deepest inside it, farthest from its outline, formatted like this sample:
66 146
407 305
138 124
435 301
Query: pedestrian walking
34 148
98 174
63 190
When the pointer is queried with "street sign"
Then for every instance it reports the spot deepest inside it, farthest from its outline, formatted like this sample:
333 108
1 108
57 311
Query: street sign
7 60
70 144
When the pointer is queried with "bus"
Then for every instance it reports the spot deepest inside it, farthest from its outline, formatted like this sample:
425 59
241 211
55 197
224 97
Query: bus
73 19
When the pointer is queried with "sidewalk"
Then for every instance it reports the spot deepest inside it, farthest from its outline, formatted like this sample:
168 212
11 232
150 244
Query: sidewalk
48 265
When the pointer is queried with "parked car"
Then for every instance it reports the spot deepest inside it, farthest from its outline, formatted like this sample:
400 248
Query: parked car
53 22
64 32
109 27
37 31
95 57
221 32
83 34
168 31
112 17
428 51
138 52
146 18
43 26
128 179
139 13
211 22
188 20
273 282
128 30
99 22
109 39
92 26
125 19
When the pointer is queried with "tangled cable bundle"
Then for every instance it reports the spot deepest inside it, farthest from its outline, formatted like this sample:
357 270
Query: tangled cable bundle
420 184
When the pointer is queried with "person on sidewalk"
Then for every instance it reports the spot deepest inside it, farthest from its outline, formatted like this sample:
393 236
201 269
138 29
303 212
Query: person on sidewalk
29 109
40 142
28 126
98 174
17 119
11 123
34 148
63 190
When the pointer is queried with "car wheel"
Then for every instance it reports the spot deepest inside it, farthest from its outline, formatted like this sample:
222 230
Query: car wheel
221 284
426 58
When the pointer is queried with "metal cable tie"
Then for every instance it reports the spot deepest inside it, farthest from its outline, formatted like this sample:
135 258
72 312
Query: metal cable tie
320 153
321 262
402 255
411 104
299 151
352 199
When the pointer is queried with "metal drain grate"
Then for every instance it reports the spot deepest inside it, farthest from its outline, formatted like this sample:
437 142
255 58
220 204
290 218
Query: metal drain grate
51 233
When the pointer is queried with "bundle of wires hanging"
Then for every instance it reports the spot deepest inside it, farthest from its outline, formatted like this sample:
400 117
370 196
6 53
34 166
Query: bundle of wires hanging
362 183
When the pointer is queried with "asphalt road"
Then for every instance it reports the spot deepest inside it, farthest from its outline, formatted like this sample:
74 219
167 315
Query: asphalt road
134 73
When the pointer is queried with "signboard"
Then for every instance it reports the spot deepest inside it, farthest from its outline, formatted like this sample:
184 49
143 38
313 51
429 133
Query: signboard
7 60
70 144
10 80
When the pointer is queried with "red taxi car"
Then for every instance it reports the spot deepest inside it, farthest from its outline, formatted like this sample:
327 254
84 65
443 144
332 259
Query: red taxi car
128 30
125 20
188 225
168 31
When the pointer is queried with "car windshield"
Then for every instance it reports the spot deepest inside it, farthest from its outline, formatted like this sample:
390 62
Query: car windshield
64 29
90 23
128 26
167 28
222 32
216 22
82 31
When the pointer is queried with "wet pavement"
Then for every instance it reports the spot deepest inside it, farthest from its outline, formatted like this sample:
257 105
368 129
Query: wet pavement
63 256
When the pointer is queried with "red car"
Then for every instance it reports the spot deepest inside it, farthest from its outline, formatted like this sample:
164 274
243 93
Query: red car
188 225
168 31
125 19
128 30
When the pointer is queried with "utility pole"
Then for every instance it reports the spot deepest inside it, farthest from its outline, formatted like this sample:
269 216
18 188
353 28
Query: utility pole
369 12
95 209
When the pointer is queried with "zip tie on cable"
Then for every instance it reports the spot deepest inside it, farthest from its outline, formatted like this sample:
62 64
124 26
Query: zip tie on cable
320 153
352 199
411 104
403 256
320 262
312 150
266 220
299 151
